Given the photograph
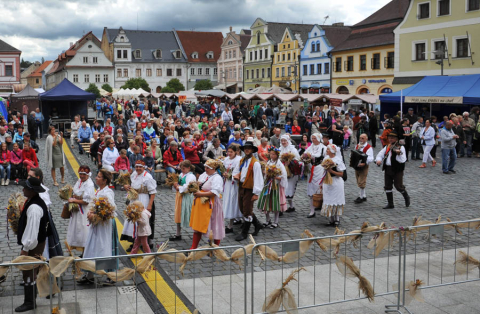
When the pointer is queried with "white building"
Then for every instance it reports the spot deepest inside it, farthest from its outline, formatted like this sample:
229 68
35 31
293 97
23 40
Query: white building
83 63
155 56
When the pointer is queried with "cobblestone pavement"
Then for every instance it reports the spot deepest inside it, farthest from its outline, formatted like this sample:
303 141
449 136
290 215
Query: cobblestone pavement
432 193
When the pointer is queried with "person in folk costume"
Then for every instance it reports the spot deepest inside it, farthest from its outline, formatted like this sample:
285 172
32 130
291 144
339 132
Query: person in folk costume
316 152
272 198
209 216
393 157
102 238
183 199
146 187
287 147
33 230
83 194
362 172
249 175
231 210
334 193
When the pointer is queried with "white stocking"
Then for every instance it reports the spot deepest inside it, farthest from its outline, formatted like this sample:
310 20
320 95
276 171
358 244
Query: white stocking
277 215
267 214
312 208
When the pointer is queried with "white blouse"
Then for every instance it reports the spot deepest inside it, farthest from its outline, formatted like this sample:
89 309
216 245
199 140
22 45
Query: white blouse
213 183
109 157
278 164
316 150
84 189
290 149
257 175
45 196
30 235
232 164
144 179
189 178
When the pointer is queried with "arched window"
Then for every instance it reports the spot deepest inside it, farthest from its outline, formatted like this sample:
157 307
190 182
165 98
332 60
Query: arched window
258 38
122 39
318 46
313 47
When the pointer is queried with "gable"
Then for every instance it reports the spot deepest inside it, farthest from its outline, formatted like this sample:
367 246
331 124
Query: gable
288 36
259 38
316 31
230 38
259 22
89 50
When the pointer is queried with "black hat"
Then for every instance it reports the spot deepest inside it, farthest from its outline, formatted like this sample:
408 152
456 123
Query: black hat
26 134
33 184
326 135
392 134
249 144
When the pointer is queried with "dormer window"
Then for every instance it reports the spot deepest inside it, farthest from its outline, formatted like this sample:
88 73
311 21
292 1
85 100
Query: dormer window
138 54
230 42
178 54
158 54
210 55
195 55
122 39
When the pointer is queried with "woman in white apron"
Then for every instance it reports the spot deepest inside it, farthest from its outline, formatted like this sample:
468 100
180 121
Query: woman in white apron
231 209
317 152
287 147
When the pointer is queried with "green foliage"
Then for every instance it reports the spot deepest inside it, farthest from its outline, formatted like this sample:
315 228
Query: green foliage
25 64
92 88
107 88
168 90
173 86
137 83
203 85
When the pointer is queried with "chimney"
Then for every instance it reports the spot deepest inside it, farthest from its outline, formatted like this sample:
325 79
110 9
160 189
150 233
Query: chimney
230 29
338 24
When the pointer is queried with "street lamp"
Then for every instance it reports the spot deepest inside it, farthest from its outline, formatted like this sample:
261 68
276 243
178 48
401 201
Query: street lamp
441 53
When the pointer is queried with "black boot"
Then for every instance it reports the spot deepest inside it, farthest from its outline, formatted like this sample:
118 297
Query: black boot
244 234
390 201
406 197
29 299
258 226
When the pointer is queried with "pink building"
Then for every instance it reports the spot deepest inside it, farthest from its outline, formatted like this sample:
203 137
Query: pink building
9 68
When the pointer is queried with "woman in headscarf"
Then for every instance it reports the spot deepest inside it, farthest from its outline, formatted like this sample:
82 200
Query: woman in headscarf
272 198
334 194
83 194
183 199
146 187
293 167
231 207
209 216
316 152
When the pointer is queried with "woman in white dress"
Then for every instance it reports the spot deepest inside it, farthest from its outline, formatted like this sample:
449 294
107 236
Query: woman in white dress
146 187
287 147
100 237
316 152
334 194
231 209
83 194
110 155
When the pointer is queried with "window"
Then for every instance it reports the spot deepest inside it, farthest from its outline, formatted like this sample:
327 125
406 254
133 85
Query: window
234 53
149 72
319 68
277 72
283 72
389 62
258 38
318 47
283 57
289 71
338 65
119 54
266 53
125 72
230 54
256 54
215 72
192 71
122 39
158 54
376 61
138 54
178 54
37 81
462 48
312 69
420 51
443 7
268 72
247 74
288 46
313 47
263 73
251 55
8 70
234 72
86 78
159 72
226 55
349 65
305 69
424 10
85 59
75 77
125 54
258 73
326 68
207 71
239 72
138 72
199 71
95 60
278 58
294 55
439 47
97 78
288 56
363 62
261 51
105 78
169 72
229 75
179 72
252 74
473 5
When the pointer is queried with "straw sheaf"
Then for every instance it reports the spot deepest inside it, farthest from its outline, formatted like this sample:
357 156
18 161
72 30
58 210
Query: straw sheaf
347 267
123 179
282 296
465 263
171 179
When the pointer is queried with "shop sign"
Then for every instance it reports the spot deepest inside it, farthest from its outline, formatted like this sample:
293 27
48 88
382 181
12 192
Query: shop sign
336 102
377 81
182 98
355 102
435 100
343 82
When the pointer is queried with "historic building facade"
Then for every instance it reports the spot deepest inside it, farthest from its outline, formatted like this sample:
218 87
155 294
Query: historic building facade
9 68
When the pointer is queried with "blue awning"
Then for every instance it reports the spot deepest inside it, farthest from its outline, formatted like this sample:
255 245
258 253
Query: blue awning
315 86
304 85
465 86
326 85
66 91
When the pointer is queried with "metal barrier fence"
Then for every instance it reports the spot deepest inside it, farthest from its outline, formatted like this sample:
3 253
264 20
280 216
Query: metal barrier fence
12 282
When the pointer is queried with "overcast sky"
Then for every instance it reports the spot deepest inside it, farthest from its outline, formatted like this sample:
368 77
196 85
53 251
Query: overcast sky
44 28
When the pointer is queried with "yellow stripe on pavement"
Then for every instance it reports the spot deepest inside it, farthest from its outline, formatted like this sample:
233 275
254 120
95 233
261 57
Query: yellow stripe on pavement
164 293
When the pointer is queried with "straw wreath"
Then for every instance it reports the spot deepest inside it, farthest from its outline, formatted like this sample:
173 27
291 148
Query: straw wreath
282 296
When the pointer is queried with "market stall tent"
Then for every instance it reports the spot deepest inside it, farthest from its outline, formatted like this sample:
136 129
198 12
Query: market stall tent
29 96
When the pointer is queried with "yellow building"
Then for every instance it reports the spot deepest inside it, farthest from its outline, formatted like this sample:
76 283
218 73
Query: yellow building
364 62
433 27
286 60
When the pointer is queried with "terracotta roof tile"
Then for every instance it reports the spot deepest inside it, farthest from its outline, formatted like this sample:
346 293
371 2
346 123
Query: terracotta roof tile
202 43
38 71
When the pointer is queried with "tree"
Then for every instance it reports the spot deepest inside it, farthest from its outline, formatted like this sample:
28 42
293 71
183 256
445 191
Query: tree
25 64
43 60
173 86
137 83
203 85
107 88
92 88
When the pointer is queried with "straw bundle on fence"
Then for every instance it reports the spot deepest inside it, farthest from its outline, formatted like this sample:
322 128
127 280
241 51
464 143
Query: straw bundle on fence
414 293
466 263
282 296
347 267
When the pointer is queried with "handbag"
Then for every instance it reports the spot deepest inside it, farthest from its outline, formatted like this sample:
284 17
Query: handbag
66 214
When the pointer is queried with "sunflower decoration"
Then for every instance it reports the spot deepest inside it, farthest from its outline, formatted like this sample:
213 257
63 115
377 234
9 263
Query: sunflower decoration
102 211
15 204
133 212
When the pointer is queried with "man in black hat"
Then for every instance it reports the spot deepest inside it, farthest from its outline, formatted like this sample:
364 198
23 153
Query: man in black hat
249 175
33 229
393 157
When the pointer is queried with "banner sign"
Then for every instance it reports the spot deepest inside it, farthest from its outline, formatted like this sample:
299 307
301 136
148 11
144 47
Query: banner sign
435 100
